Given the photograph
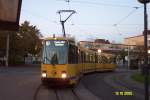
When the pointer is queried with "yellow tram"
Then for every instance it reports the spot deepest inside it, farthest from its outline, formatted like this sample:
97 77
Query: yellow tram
63 63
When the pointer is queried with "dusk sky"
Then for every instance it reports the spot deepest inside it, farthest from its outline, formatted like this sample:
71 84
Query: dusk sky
107 19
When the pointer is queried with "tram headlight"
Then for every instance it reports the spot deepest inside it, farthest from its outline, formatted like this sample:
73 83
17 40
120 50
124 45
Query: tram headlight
63 75
44 74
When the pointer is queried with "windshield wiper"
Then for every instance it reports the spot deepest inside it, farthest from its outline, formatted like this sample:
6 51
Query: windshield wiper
54 59
47 59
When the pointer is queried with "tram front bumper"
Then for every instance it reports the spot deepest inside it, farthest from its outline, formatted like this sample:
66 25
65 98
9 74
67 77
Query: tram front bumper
56 81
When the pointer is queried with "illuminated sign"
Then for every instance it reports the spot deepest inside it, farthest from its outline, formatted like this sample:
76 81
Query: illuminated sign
59 43
55 43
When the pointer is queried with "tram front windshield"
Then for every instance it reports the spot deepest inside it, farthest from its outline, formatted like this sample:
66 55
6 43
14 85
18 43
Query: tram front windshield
55 52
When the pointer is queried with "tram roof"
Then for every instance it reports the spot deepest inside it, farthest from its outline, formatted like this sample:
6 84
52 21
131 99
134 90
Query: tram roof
70 39
58 38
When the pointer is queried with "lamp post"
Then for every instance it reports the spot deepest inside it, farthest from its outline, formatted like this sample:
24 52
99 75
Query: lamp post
128 57
9 19
148 51
148 56
146 69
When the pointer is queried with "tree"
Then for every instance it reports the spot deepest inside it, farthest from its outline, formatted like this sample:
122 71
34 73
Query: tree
25 41
31 35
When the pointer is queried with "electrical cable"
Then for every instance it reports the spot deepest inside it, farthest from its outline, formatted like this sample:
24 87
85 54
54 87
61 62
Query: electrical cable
116 25
39 16
124 18
130 13
100 4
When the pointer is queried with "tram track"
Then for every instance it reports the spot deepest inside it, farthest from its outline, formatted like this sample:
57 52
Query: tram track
81 91
136 91
36 92
86 86
108 88
58 94
70 92
88 93
78 98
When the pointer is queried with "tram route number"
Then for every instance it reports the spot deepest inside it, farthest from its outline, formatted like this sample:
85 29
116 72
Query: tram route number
124 93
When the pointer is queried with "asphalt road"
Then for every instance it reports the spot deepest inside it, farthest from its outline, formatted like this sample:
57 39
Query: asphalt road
18 83
24 84
97 85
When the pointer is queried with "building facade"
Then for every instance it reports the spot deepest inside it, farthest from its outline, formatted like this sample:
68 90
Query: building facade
102 44
135 47
136 40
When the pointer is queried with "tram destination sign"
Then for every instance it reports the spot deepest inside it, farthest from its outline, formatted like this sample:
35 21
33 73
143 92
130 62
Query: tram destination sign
10 14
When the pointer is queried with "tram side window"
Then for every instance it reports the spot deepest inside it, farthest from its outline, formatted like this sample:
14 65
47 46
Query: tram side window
86 57
76 55
96 58
93 58
82 57
79 56
73 54
90 58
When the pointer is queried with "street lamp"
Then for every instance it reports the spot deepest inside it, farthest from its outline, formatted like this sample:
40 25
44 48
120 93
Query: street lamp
144 1
148 55
146 69
99 51
9 19
148 51
128 57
